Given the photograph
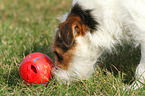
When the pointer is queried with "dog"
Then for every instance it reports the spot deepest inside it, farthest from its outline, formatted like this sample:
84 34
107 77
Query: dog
93 26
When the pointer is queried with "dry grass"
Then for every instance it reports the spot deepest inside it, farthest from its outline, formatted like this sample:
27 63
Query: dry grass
28 26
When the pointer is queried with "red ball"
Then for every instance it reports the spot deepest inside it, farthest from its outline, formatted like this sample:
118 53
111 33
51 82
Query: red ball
36 68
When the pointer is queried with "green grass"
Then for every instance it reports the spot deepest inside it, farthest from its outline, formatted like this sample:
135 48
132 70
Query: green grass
28 26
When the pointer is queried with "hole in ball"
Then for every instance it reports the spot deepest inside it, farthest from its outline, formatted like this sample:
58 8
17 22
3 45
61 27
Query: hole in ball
33 69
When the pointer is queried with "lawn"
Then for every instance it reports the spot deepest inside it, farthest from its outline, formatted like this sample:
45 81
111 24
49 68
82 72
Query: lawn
28 26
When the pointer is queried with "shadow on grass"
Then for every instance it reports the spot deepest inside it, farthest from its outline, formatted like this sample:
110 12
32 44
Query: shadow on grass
12 78
125 60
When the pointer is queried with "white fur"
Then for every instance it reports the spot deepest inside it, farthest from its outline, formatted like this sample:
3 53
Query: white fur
118 20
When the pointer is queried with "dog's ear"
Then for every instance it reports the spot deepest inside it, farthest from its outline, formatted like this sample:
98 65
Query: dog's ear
70 29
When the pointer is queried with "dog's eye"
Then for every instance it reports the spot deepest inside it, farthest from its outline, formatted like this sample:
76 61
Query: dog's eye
76 30
60 58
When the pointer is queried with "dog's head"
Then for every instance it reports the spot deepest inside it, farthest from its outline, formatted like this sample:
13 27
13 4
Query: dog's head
77 23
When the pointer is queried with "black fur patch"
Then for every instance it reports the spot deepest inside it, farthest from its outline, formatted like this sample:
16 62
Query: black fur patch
60 43
60 57
85 16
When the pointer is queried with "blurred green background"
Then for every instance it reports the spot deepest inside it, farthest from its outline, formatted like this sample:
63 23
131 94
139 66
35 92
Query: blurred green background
28 26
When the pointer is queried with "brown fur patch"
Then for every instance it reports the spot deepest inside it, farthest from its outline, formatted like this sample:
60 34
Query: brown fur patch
75 21
65 38
70 29
65 61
